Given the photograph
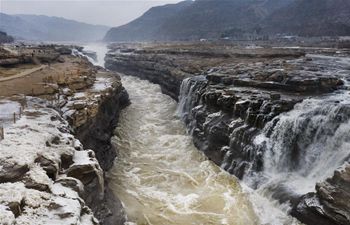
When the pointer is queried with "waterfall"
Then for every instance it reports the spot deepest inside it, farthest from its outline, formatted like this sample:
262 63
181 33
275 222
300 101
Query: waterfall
190 103
307 144
189 96
101 51
290 154
296 149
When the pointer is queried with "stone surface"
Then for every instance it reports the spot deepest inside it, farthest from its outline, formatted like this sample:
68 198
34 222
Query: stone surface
28 189
12 172
330 202
88 103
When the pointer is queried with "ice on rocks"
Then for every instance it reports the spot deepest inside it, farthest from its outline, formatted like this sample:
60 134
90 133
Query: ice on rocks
87 160
37 142
38 175
102 83
8 107
6 216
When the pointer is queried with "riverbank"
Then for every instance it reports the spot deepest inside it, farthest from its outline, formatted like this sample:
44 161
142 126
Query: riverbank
236 113
64 133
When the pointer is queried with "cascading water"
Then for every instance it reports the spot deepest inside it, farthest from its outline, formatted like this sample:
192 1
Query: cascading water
269 211
189 87
306 145
299 148
101 51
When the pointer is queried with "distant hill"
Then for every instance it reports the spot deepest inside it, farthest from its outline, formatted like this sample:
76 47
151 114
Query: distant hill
212 19
45 28
147 26
312 18
219 18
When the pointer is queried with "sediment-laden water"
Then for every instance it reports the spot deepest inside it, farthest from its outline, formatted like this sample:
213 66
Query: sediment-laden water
161 177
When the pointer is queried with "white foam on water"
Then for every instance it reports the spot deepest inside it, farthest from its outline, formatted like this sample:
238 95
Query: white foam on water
161 177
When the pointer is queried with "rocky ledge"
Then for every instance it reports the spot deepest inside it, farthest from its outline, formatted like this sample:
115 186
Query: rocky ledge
44 171
229 95
93 114
330 203
53 158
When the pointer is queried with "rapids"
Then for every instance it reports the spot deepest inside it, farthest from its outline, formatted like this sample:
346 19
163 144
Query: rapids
161 177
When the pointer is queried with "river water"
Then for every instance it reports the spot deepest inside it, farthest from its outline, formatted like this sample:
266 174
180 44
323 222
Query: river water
161 177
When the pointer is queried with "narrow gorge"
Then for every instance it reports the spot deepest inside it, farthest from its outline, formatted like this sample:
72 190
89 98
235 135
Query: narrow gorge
175 134
175 112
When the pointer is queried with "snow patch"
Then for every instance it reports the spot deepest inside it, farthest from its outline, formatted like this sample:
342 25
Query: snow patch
38 141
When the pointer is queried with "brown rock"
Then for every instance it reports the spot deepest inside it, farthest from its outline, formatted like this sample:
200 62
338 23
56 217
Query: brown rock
48 165
12 172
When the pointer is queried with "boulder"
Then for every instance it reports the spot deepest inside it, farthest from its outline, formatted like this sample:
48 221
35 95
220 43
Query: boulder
10 172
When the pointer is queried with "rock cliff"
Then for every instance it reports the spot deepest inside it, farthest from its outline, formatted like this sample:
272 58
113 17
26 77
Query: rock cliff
330 202
65 137
41 164
93 114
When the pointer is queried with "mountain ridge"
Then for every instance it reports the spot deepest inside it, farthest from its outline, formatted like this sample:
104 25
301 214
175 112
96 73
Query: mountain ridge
312 18
237 19
148 23
50 28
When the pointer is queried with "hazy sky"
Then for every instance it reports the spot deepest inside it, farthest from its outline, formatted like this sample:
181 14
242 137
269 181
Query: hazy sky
106 12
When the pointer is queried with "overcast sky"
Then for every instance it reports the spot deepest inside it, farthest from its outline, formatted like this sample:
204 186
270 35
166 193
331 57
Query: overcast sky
106 12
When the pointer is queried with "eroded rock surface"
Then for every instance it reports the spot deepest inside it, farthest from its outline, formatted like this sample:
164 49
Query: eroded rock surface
32 190
330 202
64 139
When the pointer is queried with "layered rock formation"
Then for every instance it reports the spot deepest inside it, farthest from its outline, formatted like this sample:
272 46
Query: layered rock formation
230 96
46 184
93 114
329 205
169 65
65 172
32 54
